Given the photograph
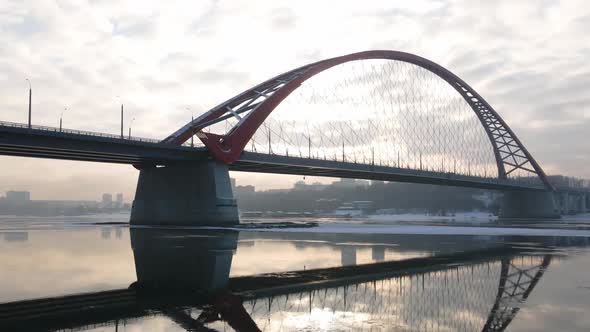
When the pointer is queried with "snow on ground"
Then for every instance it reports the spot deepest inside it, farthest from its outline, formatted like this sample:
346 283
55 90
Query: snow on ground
428 230
476 217
482 224
582 217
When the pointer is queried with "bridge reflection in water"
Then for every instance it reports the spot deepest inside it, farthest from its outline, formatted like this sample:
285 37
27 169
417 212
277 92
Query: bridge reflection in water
472 297
183 279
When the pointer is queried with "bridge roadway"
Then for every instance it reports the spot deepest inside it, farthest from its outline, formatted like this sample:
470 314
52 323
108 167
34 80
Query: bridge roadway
49 142
89 310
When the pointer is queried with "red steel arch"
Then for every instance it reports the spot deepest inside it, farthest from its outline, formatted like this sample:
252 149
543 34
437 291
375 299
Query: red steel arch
259 101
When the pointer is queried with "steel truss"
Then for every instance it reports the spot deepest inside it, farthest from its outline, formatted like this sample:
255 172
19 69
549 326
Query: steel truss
253 106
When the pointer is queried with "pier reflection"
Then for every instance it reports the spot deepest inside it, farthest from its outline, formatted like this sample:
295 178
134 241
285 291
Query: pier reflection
184 260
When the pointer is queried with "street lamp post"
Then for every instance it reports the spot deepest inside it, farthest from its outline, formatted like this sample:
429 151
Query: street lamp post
193 133
130 124
30 98
121 120
61 117
119 98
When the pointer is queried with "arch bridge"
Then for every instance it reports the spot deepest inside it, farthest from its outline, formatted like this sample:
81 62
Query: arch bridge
379 115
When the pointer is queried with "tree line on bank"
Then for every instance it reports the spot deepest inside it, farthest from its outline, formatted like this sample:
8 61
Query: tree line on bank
400 196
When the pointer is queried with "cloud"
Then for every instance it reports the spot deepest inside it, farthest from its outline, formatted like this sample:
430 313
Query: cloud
134 29
283 19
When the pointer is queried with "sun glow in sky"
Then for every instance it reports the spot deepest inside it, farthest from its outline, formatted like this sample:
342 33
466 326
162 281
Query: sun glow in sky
168 61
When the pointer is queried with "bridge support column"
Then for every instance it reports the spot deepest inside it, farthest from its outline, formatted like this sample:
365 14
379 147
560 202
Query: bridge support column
581 206
185 194
562 202
568 207
529 205
576 203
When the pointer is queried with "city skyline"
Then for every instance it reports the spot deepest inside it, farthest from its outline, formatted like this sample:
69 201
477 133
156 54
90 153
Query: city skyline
25 195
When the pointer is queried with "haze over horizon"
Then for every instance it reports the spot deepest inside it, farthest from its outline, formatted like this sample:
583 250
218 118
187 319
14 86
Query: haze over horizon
169 62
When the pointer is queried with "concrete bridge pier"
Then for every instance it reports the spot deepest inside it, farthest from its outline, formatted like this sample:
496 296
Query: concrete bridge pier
529 205
564 202
185 194
576 204
582 203
573 203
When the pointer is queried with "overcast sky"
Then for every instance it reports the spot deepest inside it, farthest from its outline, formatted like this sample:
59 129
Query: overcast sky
529 59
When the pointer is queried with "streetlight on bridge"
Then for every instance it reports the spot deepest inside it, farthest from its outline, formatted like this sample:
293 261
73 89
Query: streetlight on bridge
130 124
30 97
193 133
61 117
119 98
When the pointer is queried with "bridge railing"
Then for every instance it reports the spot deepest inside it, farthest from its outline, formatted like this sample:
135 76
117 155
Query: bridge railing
83 133
530 181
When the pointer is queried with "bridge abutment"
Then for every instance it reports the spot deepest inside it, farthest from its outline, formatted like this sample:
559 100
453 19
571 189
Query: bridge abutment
185 194
529 205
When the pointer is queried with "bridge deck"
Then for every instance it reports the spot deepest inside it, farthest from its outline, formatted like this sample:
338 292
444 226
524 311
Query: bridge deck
46 142
264 163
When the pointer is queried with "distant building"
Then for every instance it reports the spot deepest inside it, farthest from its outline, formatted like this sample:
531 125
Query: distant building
354 209
345 183
119 200
362 183
20 203
282 190
363 205
244 190
351 183
327 204
487 198
299 185
317 186
107 200
65 204
560 181
18 197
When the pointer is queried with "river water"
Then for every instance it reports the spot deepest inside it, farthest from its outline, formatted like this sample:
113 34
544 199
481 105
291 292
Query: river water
338 275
